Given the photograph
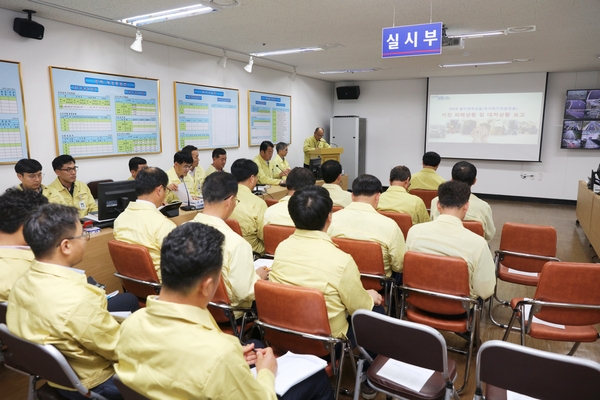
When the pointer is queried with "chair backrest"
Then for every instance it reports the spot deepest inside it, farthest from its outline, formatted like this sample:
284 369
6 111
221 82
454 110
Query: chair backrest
336 208
441 274
405 341
425 195
474 226
127 392
368 257
575 283
403 220
275 234
271 202
220 297
93 185
42 360
296 308
234 225
530 239
536 373
3 308
134 261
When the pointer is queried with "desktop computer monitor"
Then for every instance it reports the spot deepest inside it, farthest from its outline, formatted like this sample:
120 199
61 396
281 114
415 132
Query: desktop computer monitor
113 198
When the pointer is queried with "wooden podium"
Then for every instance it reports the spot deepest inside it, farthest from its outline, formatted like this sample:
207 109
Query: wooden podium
332 153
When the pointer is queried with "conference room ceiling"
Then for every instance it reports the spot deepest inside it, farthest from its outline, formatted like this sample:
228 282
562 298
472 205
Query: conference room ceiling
565 39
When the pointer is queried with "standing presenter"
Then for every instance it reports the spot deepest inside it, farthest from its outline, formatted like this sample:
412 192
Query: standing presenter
314 142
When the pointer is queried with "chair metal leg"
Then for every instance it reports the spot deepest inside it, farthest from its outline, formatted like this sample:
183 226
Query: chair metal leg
338 380
474 332
31 392
574 348
501 302
510 325
358 379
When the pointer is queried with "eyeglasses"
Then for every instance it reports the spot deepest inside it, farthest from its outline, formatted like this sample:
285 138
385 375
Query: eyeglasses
71 169
39 175
237 201
85 236
186 166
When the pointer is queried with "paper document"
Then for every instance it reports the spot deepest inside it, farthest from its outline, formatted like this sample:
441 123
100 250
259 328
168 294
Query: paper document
293 369
517 396
263 262
120 316
539 321
184 195
404 374
517 272
94 217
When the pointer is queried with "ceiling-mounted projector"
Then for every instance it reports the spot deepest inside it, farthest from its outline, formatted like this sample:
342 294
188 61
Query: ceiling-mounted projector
28 28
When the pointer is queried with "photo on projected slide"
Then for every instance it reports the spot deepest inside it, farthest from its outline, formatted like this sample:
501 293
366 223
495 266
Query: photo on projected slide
499 118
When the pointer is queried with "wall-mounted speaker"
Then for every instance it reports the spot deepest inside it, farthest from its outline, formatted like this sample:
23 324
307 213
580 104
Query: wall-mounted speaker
348 92
28 28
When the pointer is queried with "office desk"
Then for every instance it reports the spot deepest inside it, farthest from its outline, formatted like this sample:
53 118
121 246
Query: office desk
98 263
588 214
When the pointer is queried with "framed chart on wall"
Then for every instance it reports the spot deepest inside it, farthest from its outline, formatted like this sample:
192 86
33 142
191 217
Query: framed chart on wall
13 129
98 114
269 118
206 116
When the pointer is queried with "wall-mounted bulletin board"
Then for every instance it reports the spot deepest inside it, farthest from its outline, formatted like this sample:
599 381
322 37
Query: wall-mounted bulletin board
13 129
269 118
98 114
206 116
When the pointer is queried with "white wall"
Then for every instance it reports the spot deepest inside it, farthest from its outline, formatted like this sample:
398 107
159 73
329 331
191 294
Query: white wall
75 47
395 112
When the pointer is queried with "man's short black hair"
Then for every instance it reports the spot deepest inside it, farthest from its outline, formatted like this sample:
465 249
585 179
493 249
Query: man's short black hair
16 205
182 157
190 253
431 159
330 170
299 177
453 194
149 179
464 171
400 173
366 185
189 148
309 208
243 169
280 146
61 160
27 165
218 152
49 225
135 162
219 186
264 146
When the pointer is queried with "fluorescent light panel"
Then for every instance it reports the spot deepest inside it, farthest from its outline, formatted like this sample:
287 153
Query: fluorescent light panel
476 64
474 35
348 71
168 15
287 51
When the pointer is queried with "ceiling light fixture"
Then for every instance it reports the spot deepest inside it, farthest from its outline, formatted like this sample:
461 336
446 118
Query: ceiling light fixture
480 64
137 43
168 15
288 51
475 35
223 60
248 68
348 71
293 76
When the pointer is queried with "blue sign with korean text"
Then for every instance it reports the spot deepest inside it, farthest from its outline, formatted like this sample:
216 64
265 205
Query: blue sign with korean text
412 40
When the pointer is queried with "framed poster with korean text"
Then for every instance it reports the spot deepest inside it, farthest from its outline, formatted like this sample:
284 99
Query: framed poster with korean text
206 116
269 118
13 127
98 114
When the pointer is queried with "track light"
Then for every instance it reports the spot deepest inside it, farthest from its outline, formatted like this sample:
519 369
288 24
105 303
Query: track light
248 68
223 60
293 76
137 44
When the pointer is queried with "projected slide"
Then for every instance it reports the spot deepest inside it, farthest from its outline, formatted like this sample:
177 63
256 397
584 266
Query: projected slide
508 118
487 117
